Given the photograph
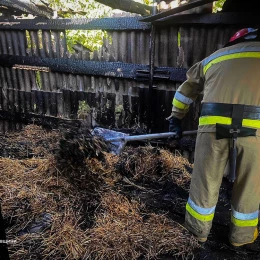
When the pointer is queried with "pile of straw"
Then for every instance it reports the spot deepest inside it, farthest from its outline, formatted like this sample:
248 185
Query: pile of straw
149 164
31 141
121 231
89 218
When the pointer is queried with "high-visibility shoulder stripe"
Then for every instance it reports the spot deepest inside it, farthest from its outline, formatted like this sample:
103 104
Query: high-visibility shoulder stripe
178 104
180 97
198 216
244 216
203 211
244 223
231 57
228 52
245 52
212 120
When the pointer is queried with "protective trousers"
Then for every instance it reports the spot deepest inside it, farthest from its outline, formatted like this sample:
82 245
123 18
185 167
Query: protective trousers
211 157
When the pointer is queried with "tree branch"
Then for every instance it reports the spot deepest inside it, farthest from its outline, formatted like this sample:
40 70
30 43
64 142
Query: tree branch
128 6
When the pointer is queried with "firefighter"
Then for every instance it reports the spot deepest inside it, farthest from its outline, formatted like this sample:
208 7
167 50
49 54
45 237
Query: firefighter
230 81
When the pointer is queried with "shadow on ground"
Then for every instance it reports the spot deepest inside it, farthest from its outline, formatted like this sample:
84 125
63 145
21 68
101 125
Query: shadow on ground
168 198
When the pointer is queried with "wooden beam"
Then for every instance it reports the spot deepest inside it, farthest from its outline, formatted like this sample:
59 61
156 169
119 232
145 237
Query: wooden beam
28 7
128 6
176 10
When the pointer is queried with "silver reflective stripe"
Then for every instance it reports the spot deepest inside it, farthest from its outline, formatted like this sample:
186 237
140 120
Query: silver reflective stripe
244 216
240 50
183 98
202 211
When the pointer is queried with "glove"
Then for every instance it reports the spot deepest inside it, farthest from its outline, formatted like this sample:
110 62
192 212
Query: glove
175 126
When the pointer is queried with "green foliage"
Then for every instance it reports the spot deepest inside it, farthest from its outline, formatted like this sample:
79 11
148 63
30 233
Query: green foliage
218 5
146 2
38 79
84 109
90 9
91 39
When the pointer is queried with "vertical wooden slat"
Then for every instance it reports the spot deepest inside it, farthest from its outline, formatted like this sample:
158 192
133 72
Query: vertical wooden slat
14 80
5 81
39 101
22 101
48 52
72 81
31 52
60 104
42 50
24 73
59 49
74 104
86 79
56 44
19 73
67 103
53 103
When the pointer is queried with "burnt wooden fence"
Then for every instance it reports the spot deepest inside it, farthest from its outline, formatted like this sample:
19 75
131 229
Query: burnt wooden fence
42 82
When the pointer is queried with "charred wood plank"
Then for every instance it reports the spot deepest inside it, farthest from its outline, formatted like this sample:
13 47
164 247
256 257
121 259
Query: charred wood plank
95 68
109 24
210 19
171 12
28 7
128 6
48 121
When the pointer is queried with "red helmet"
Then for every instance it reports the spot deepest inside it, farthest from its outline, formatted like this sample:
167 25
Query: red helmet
242 33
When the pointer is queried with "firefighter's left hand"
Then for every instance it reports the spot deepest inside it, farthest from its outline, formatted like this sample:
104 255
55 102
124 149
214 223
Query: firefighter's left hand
175 126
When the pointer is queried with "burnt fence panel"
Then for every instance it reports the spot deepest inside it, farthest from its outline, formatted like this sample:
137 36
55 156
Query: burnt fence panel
44 94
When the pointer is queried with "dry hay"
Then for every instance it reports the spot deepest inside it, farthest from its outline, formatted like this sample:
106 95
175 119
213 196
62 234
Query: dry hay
106 169
28 189
177 167
122 232
31 141
88 219
82 160
76 147
148 164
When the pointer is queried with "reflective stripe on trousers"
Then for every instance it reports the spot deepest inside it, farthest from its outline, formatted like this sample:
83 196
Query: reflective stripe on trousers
211 157
200 213
244 219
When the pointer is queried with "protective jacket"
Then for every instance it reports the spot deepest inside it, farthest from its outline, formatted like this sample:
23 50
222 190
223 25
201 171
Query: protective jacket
227 78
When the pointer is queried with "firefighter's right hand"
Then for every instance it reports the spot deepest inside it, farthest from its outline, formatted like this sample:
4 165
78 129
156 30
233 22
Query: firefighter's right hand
175 126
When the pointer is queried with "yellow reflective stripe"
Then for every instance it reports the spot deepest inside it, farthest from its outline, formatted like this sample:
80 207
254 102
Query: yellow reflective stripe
244 223
212 120
251 123
230 57
197 215
178 104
